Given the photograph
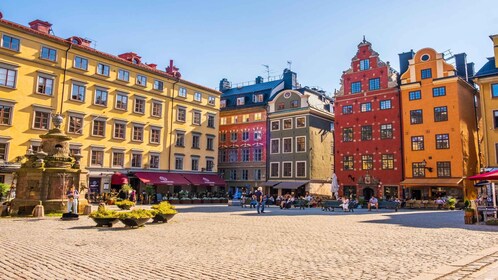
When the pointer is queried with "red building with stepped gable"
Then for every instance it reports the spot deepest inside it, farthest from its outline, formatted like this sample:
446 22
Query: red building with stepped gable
368 144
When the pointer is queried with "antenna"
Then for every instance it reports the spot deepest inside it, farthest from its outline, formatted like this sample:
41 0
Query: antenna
289 63
267 71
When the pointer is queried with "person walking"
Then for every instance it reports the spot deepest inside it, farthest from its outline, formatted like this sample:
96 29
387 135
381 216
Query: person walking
259 200
72 197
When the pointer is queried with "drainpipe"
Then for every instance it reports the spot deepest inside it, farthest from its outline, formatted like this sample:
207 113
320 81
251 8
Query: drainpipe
171 124
64 77
475 100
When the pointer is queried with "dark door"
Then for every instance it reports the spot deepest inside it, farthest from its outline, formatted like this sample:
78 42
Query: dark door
368 193
416 194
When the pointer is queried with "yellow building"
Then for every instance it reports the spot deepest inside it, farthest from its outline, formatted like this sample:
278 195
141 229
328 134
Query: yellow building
487 80
122 114
439 126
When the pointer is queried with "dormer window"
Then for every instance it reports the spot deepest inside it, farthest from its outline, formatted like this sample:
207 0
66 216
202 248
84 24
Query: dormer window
136 61
257 98
75 41
240 101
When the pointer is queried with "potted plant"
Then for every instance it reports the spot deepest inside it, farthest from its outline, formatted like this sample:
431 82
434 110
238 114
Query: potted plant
136 218
469 212
104 217
163 212
125 204
451 203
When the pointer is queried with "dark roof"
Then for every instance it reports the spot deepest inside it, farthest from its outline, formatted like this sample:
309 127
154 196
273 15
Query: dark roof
488 69
252 88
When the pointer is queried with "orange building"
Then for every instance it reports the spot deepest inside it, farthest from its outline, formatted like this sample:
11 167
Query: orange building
439 126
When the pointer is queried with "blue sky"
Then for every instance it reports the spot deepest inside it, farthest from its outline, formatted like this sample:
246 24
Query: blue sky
211 40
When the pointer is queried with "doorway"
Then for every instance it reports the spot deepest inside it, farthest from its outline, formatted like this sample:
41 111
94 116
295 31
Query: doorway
368 193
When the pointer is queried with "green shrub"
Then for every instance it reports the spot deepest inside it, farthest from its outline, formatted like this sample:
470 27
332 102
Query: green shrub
125 204
4 190
492 222
103 213
164 208
137 214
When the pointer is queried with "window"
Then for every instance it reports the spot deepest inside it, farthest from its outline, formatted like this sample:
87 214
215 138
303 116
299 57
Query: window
75 124
78 92
257 135
80 63
347 134
366 162
374 84
440 114
196 141
257 116
348 162
182 92
415 95
211 100
418 169
222 155
195 163
5 114
121 102
240 101
287 123
245 135
179 162
180 139
157 109
258 154
118 159
287 169
386 131
300 168
154 161
300 144
119 130
233 136
136 160
300 122
158 85
366 107
274 169
42 120
210 143
10 42
385 104
355 87
211 121
196 118
123 75
443 169
294 104
246 154
3 151
233 174
417 143
256 98
223 136
103 69
364 64
181 114
48 53
74 150
287 145
138 133
45 85
426 73
141 80
245 118
98 128
209 165
8 77
280 106
235 119
155 135
387 161
257 174
346 110
232 155
439 91
97 157
494 90
197 96
223 103
275 125
416 117
139 107
100 97
366 133
275 146
442 141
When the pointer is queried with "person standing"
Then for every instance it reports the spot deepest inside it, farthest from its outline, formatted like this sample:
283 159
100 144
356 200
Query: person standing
259 200
72 196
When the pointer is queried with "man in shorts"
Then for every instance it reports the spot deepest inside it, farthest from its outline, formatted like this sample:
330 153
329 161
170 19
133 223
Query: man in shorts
373 202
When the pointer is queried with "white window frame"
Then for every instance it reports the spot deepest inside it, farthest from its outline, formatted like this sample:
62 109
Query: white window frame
158 162
278 169
305 165
258 116
96 150
74 115
112 157
223 103
198 96
138 80
74 62
182 92
93 124
193 117
241 101
271 125
291 146
11 116
160 104
223 120
46 77
102 74
106 98
211 100
283 124
6 141
141 159
122 78
122 94
271 146
50 48
296 126
19 39
43 110
8 68
150 134
178 109
305 145
114 130
79 84
183 162
134 126
291 169
158 82
135 105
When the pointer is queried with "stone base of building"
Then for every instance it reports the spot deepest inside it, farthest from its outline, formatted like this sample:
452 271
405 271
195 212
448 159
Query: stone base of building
26 206
322 189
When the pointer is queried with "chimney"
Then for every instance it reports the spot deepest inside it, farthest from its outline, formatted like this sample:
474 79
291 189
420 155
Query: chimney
461 65
259 80
1 15
403 61
225 85
39 25
152 65
290 79
494 38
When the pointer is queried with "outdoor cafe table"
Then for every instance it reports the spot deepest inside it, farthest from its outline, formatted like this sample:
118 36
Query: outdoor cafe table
485 210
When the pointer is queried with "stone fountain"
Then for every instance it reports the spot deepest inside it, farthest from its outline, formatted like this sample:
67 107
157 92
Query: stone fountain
45 176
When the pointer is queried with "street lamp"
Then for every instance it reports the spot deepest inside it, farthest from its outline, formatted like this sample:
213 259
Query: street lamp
424 163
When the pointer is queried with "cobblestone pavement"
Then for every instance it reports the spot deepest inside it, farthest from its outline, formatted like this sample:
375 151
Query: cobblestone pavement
220 242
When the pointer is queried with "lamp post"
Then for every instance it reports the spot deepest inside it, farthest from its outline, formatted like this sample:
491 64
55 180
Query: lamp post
424 165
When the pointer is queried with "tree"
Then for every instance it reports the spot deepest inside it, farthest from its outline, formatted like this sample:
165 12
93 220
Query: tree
4 190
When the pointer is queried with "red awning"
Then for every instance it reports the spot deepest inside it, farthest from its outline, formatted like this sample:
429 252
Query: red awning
205 180
158 178
493 175
119 179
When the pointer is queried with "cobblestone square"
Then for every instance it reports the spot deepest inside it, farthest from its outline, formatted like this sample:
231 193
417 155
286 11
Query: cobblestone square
220 242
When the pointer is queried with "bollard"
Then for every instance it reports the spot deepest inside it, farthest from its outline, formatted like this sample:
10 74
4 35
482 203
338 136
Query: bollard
87 210
39 210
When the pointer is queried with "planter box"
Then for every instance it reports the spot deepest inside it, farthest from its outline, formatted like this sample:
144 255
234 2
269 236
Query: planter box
107 222
174 201
163 218
196 201
134 223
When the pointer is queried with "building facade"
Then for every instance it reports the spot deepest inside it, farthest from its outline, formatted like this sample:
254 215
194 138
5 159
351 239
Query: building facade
439 126
122 114
487 80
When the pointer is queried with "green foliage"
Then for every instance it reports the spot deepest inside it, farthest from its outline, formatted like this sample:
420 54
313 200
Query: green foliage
137 214
4 189
164 208
466 204
492 222
126 188
451 202
103 213
125 204
150 190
